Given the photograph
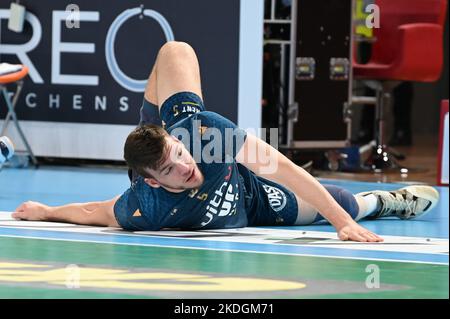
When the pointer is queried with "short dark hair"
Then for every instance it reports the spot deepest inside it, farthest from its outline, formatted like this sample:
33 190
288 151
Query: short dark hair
144 149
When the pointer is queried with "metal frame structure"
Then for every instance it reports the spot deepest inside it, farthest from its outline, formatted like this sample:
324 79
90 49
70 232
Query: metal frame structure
284 46
293 106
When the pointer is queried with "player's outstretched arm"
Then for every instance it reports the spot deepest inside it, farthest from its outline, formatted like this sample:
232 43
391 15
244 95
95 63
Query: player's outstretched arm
93 213
267 162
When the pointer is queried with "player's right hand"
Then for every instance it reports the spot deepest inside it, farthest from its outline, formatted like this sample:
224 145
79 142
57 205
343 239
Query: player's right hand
31 211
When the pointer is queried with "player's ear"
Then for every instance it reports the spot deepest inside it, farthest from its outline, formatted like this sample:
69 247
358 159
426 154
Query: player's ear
152 182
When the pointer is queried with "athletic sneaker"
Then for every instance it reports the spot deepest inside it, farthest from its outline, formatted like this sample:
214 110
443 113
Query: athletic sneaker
6 149
405 203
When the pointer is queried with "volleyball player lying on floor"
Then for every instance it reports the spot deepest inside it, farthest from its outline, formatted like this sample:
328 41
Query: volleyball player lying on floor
200 171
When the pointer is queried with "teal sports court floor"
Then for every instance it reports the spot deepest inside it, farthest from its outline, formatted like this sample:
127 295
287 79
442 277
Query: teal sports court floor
51 260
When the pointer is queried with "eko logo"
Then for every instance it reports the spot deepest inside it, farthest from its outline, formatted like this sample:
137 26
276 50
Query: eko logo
223 203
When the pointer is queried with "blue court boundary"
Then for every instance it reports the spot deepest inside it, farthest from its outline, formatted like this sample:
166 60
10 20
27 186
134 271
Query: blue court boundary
286 249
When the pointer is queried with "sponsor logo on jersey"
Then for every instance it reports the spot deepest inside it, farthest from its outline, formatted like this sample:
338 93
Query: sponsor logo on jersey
223 203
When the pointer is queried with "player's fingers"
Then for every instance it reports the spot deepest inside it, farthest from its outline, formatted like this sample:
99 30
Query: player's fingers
20 208
370 237
17 215
343 236
360 237
376 237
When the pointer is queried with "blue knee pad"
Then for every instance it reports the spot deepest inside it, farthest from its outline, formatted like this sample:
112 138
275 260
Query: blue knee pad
344 198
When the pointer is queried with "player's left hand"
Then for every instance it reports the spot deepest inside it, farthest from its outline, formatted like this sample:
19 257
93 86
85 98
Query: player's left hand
355 232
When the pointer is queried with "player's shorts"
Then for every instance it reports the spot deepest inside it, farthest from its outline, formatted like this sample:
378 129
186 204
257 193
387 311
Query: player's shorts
267 203
179 106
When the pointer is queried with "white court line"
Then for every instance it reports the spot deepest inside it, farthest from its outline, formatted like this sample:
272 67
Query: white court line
230 250
248 236
255 235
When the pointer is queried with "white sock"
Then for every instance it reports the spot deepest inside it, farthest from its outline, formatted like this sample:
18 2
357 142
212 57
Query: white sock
368 205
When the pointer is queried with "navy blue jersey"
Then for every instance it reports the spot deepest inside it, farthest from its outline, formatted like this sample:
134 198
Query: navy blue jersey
230 197
219 202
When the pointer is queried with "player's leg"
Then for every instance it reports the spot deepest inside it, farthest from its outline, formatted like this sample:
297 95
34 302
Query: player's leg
149 113
177 70
405 203
150 89
307 214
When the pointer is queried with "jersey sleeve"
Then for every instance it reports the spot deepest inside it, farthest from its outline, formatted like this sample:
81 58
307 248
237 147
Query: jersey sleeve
129 214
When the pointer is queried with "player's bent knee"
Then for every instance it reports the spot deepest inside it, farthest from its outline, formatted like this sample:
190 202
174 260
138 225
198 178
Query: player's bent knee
345 199
176 49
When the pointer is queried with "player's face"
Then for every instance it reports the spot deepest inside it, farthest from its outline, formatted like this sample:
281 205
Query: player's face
178 171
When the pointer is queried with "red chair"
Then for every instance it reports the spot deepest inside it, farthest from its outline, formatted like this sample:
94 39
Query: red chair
15 78
408 47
